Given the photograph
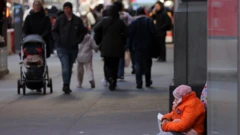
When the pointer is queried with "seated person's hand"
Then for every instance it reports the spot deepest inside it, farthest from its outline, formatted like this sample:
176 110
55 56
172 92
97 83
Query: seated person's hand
164 121
176 120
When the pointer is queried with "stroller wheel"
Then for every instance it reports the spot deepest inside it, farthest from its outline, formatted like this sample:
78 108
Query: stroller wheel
50 85
44 88
19 87
24 88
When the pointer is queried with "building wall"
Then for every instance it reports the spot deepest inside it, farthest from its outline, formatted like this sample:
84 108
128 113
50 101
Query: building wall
223 69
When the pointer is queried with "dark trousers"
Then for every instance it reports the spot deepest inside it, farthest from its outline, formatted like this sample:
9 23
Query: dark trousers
176 133
67 59
121 67
111 68
162 51
143 65
132 60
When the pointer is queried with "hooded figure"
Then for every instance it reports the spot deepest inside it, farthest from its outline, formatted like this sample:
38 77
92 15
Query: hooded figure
84 59
113 32
188 113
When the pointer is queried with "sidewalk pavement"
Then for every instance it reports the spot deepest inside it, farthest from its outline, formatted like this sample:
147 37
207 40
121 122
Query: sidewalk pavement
126 111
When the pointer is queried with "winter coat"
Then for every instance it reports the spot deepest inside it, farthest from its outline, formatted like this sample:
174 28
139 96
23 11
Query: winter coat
141 33
38 23
113 33
85 49
68 33
191 113
162 22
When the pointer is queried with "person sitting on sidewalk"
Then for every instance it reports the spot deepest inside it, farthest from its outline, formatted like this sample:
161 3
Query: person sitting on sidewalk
84 58
188 114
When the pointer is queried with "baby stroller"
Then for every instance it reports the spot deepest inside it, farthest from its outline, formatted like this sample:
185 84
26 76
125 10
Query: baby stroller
33 66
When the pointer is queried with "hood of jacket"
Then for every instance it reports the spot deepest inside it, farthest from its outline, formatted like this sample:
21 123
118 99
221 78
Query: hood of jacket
86 38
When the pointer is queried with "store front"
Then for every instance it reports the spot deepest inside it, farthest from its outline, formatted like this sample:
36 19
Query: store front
3 39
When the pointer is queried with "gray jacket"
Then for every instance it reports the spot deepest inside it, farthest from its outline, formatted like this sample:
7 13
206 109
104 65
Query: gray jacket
85 49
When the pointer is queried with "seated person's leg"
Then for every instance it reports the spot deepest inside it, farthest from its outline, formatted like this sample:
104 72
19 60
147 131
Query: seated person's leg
176 133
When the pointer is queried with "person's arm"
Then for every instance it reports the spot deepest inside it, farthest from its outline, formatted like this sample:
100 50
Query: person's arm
153 15
130 37
98 26
47 29
26 26
187 121
125 34
130 19
98 32
166 22
168 116
82 31
94 45
55 30
152 27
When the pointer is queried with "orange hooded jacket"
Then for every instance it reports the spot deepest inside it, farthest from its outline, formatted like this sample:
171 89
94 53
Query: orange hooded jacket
191 113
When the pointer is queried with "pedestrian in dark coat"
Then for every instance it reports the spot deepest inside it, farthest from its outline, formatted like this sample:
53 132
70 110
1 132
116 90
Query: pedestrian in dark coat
162 22
114 33
38 23
141 34
68 32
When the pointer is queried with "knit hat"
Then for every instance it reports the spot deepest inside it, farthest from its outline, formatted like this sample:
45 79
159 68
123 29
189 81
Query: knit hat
181 91
68 4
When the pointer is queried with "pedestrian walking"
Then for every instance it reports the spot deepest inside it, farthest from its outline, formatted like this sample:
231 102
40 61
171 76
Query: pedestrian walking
141 34
68 32
114 32
84 59
127 18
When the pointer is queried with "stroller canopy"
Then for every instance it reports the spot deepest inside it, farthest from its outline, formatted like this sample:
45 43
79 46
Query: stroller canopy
33 38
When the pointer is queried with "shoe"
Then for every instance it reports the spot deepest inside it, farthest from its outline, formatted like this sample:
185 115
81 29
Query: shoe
112 85
121 77
104 82
66 89
149 84
92 84
139 86
79 86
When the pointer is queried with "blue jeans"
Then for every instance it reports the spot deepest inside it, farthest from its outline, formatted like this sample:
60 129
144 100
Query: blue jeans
67 59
